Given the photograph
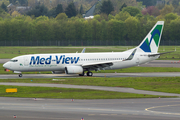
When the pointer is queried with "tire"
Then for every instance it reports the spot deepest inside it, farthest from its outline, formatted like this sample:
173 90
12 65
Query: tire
89 74
20 75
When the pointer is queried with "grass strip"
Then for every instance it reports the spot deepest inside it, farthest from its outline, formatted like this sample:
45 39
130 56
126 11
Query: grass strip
10 52
67 93
160 84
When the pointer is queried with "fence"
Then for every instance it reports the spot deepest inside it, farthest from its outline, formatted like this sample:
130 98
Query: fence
82 43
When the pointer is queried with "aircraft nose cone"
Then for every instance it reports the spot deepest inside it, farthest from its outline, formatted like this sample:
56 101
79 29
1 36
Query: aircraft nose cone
6 65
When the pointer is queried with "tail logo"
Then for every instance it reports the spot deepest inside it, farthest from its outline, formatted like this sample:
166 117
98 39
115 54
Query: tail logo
155 35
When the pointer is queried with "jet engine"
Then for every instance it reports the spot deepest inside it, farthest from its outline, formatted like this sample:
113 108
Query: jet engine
73 70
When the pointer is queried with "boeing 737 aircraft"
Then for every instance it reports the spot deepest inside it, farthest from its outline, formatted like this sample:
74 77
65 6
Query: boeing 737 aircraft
79 63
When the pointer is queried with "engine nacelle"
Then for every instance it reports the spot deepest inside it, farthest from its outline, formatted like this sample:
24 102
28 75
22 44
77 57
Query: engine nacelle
57 72
73 70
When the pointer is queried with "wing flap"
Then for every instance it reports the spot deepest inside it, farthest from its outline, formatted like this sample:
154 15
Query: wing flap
99 65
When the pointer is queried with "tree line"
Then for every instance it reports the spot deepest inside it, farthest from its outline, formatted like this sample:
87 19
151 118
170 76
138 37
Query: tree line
131 24
120 27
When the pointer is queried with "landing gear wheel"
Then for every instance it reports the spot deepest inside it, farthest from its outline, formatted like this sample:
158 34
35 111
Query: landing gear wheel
81 74
20 75
89 74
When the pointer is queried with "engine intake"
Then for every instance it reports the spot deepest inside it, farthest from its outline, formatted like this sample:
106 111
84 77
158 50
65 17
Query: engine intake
73 70
57 72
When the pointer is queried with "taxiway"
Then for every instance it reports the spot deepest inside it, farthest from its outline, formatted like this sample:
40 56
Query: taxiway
65 109
160 74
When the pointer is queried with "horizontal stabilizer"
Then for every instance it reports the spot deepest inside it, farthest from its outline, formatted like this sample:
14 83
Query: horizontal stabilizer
159 54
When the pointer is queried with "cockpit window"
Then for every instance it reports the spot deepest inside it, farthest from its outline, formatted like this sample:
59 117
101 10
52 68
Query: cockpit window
13 60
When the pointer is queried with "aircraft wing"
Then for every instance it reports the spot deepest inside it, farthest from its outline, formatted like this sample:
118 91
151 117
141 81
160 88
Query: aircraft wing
152 55
98 65
102 65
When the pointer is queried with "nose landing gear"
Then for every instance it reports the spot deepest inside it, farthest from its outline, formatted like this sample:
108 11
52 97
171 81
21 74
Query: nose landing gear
18 72
20 75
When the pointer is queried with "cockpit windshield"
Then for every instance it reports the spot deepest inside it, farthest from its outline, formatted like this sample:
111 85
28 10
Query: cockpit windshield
13 60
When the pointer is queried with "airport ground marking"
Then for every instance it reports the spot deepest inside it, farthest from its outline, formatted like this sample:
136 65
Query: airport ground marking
103 114
42 118
91 114
156 112
23 106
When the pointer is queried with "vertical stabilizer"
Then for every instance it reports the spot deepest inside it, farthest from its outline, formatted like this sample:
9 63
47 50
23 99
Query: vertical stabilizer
152 40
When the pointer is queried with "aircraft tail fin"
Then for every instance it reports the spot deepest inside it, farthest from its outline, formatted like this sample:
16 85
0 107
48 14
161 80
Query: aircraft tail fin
152 40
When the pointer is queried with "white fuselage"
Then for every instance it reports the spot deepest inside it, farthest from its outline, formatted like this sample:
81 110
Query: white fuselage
58 62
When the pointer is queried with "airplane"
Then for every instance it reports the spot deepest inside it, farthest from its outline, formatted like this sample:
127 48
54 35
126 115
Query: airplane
90 17
79 63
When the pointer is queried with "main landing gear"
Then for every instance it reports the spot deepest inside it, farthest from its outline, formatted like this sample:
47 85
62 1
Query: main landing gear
88 74
20 75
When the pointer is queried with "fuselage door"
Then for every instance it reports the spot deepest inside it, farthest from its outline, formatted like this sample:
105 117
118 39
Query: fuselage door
137 61
26 61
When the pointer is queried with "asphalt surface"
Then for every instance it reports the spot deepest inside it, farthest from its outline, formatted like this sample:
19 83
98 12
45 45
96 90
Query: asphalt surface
65 109
163 74
2 61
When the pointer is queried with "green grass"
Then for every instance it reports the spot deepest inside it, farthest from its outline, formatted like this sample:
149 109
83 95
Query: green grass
67 93
170 56
141 70
161 84
10 52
